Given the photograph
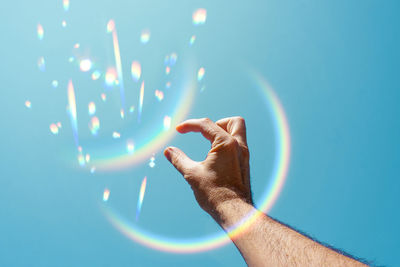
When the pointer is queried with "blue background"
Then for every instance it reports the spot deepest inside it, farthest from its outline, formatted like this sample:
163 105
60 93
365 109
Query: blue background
333 64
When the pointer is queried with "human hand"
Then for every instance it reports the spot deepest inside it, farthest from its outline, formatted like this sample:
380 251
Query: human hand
225 173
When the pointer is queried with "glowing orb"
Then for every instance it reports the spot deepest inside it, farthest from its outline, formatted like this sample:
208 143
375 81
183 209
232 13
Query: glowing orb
28 104
85 65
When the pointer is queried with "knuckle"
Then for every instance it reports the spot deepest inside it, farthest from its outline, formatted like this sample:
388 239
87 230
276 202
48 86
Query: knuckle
240 120
231 143
205 120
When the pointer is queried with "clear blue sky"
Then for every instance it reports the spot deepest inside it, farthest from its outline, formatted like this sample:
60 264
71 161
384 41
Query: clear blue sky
333 64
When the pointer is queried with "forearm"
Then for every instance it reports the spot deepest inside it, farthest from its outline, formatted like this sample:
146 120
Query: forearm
266 242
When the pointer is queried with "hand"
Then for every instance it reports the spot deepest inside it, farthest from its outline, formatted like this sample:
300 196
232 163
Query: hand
224 174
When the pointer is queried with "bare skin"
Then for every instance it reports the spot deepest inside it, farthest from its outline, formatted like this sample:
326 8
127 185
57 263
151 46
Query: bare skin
221 185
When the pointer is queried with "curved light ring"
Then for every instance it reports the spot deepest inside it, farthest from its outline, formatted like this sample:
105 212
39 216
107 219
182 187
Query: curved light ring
279 174
157 141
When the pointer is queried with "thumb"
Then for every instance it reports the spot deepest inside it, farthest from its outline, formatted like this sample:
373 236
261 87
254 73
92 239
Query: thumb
179 159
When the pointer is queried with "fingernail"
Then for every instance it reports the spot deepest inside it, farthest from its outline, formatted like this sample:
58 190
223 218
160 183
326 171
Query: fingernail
167 153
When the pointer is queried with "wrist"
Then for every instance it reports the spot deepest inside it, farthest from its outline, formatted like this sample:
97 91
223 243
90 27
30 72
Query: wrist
231 211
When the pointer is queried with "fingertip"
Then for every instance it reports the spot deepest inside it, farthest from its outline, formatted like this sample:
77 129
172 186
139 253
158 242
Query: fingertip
181 128
167 153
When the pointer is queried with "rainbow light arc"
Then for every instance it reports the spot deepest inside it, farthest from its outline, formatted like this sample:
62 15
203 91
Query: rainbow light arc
156 141
278 178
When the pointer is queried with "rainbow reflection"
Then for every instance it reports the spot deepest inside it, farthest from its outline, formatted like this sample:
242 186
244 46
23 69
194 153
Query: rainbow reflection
112 29
155 141
54 83
40 32
145 36
106 195
116 135
28 104
94 125
92 108
96 75
136 71
141 101
199 16
41 64
200 74
66 5
270 195
159 95
192 40
141 196
72 111
110 77
54 128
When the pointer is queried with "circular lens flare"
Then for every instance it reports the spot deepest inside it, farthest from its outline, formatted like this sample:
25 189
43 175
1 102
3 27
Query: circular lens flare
270 195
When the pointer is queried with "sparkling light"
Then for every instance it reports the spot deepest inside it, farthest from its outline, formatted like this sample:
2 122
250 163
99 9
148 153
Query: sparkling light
66 5
145 36
130 147
141 196
116 135
85 65
136 70
54 83
96 75
152 162
192 40
110 26
199 16
167 123
92 108
41 64
94 125
159 95
54 128
111 76
28 104
40 31
200 74
141 101
106 195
